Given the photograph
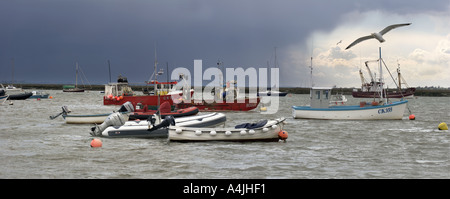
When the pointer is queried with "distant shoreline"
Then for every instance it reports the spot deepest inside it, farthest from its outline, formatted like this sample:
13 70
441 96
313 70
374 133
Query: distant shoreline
441 92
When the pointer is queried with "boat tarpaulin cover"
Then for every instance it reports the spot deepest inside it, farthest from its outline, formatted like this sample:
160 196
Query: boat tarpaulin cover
252 125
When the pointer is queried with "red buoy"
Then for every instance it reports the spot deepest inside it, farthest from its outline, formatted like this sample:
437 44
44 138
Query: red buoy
283 135
412 117
96 143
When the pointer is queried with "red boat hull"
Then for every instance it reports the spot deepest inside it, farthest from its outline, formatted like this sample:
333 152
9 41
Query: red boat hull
247 105
390 94
151 100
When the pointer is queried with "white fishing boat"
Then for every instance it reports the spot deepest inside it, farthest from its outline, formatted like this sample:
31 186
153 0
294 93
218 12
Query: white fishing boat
115 126
264 130
379 109
320 109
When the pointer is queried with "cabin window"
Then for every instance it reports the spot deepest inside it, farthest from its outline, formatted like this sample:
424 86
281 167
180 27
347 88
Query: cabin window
317 94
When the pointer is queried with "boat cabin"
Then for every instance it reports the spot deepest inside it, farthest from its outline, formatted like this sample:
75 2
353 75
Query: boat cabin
320 97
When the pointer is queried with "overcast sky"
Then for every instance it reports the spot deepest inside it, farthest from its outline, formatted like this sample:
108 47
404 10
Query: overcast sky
47 37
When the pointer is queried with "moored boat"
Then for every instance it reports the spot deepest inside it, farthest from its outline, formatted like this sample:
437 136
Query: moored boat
116 127
373 88
71 88
39 94
321 109
272 93
264 130
20 96
142 112
126 109
235 105
225 99
379 109
120 92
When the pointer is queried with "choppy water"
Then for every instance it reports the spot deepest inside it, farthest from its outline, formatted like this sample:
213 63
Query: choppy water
33 146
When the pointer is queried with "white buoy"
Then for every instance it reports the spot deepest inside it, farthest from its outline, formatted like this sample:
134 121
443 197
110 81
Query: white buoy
243 132
228 133
251 131
198 132
213 133
178 131
265 130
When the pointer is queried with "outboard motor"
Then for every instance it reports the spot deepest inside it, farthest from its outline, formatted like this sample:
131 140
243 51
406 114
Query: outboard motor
65 110
114 119
168 120
126 107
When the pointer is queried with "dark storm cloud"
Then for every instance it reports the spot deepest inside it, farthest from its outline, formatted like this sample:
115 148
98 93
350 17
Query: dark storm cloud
47 37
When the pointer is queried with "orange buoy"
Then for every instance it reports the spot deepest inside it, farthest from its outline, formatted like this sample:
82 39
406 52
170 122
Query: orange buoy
412 117
96 143
283 135
51 97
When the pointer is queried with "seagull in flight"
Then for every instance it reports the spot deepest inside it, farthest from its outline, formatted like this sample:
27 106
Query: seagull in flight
377 35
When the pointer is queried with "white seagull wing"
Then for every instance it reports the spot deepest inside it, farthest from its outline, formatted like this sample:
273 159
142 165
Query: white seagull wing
359 40
387 29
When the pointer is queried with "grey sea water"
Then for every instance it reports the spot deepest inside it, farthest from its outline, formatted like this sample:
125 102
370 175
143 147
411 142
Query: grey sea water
33 146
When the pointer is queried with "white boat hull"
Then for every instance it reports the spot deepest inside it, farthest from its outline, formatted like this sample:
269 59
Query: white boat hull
206 120
140 129
87 119
391 111
269 132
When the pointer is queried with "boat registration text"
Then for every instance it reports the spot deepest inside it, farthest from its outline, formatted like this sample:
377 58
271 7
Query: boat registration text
385 110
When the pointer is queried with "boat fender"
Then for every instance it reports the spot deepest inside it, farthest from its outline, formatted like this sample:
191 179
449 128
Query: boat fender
283 135
178 131
243 132
265 130
198 132
443 126
274 126
213 133
228 133
251 131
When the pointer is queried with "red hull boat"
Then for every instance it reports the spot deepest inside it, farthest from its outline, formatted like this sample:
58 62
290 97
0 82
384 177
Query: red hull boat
247 105
120 92
165 110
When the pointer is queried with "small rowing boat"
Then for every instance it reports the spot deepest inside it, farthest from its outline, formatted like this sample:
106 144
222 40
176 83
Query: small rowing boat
264 130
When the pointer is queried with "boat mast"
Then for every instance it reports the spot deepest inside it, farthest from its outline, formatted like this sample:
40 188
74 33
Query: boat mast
109 67
381 76
12 63
76 74
311 67
156 63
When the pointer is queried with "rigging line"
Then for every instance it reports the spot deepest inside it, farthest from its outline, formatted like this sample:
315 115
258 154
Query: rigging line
401 93
84 77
